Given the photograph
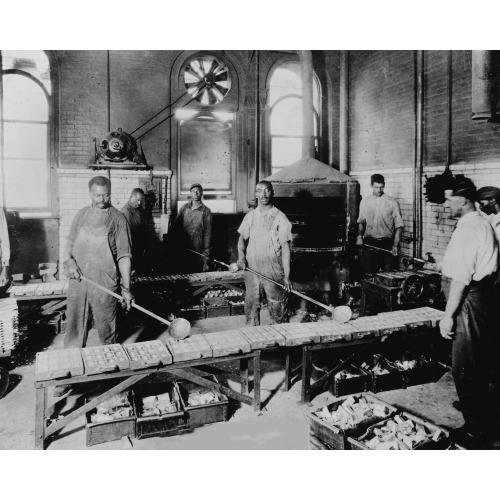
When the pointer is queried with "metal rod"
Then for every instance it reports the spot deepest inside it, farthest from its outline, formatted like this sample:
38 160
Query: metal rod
271 280
119 297
377 248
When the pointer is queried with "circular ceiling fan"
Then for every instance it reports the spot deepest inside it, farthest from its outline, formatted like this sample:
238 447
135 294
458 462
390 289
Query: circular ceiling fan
207 80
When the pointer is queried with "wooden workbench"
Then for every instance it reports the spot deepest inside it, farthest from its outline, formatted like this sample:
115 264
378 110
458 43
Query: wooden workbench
184 369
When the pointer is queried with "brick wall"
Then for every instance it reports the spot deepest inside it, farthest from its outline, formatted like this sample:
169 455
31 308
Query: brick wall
74 195
382 96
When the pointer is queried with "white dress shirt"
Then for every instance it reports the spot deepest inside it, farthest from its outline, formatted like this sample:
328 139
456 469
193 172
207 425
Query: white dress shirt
472 252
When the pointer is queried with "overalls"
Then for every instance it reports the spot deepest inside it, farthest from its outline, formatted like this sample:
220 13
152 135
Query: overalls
93 255
193 236
264 256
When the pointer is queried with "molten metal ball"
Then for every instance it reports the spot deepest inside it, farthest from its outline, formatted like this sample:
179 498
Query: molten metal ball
234 268
342 314
179 328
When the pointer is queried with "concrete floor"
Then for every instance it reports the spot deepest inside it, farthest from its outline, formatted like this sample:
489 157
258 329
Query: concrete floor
281 425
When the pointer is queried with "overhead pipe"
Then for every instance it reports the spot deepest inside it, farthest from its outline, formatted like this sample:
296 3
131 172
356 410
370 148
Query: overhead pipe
344 113
306 71
482 84
418 155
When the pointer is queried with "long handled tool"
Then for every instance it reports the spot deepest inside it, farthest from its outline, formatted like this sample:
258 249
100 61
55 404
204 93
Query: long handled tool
377 248
231 267
179 328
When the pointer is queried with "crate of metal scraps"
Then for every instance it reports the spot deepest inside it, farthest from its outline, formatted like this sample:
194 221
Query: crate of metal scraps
111 420
331 425
402 431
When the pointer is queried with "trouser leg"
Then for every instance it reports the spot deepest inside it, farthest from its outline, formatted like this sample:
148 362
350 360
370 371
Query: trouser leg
77 314
276 301
252 299
470 365
104 308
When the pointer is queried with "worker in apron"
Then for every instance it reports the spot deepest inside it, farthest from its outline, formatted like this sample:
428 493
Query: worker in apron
469 270
192 229
98 241
264 246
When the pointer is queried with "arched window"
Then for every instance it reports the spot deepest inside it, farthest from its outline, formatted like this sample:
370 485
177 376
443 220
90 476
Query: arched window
285 123
25 138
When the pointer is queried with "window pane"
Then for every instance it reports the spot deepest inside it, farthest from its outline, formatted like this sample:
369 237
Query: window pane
206 155
34 62
26 183
287 80
24 99
286 117
285 151
25 140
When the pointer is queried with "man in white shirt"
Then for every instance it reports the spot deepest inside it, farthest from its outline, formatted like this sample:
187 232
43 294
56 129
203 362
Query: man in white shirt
379 226
4 251
470 263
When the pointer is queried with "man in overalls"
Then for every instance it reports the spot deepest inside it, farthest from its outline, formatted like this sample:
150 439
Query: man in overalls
264 246
193 229
98 241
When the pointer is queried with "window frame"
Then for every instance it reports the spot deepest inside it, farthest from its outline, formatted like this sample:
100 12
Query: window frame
50 210
268 136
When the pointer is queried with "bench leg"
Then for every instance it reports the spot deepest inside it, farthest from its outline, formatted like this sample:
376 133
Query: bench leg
288 371
244 375
41 401
256 381
306 375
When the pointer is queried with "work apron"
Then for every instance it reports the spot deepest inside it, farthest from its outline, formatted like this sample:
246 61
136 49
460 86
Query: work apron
264 256
474 354
193 230
93 255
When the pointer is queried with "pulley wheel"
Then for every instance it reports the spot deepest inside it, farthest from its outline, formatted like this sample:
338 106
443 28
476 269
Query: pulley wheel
413 288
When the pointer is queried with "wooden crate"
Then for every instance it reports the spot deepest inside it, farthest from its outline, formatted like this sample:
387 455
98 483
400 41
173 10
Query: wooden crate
360 383
193 313
385 382
206 413
217 307
441 444
169 424
333 437
113 430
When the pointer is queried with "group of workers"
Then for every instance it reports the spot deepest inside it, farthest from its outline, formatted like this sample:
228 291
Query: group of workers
104 245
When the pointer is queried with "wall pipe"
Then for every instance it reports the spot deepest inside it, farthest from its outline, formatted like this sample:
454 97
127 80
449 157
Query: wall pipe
418 156
448 108
306 71
482 84
257 120
344 113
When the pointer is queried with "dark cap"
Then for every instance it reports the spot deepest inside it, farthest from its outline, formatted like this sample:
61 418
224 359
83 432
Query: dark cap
463 186
196 185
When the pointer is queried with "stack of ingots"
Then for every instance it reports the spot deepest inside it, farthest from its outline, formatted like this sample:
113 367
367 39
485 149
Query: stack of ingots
9 326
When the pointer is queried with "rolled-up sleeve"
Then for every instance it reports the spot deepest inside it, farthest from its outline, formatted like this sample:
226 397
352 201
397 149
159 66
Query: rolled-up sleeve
122 237
396 212
284 230
244 228
362 212
4 240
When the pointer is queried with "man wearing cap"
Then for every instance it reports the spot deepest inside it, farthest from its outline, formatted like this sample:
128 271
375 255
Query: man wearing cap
264 244
379 227
469 267
488 198
193 230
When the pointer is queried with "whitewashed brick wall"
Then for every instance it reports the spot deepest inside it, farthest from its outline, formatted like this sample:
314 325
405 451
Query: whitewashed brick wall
74 194
437 225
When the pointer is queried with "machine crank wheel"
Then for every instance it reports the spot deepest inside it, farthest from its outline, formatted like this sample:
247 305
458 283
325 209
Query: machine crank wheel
207 79
413 288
